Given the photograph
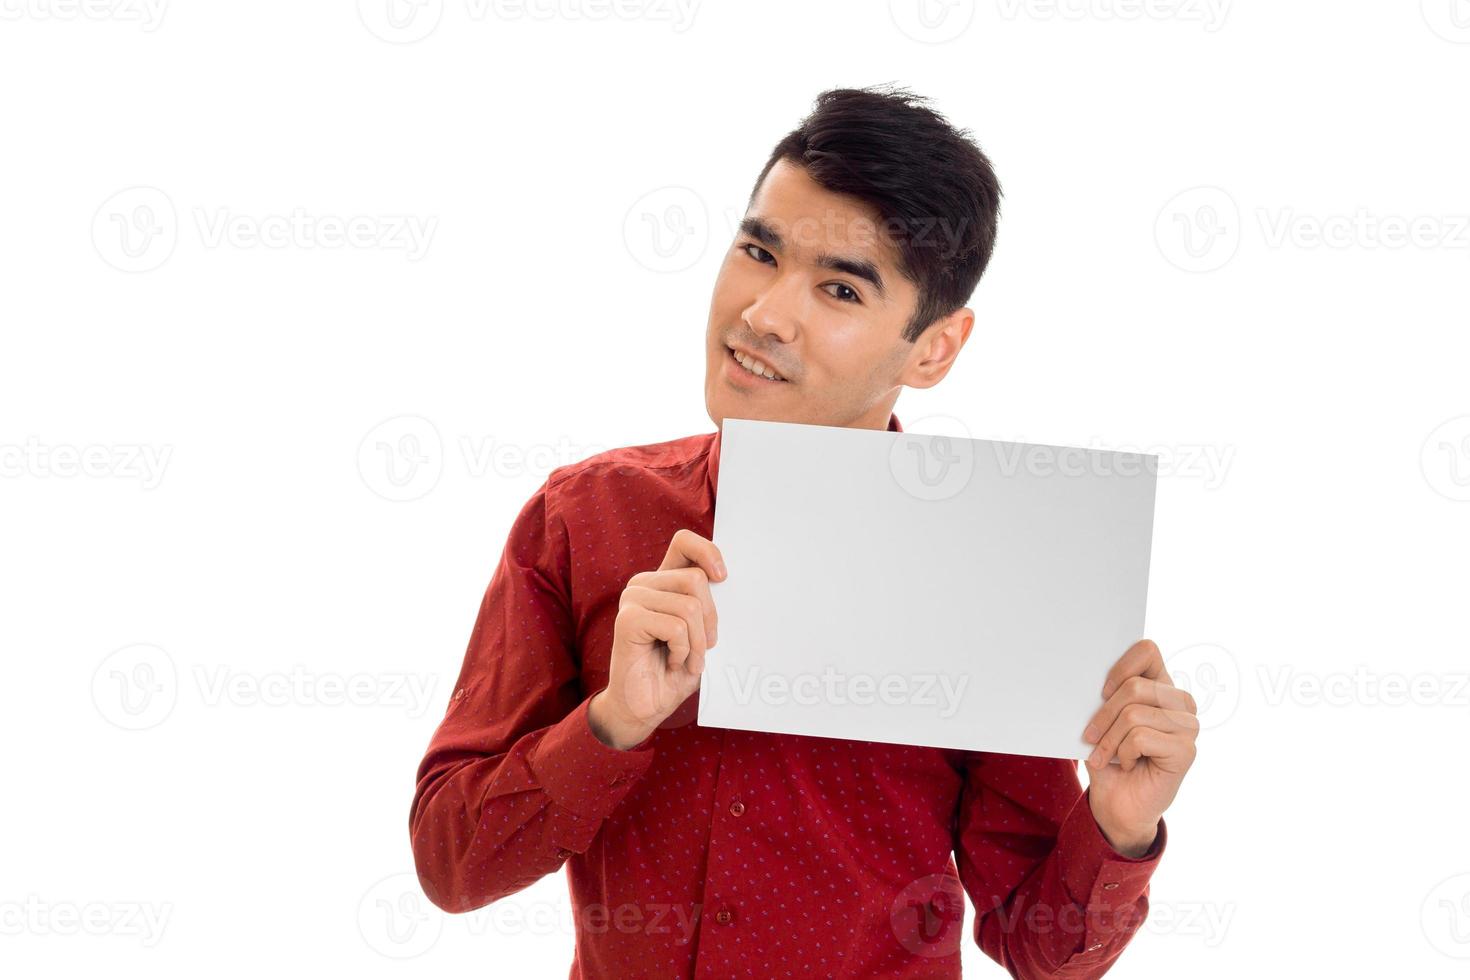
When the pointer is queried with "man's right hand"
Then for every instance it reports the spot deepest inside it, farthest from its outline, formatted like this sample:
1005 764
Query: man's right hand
665 625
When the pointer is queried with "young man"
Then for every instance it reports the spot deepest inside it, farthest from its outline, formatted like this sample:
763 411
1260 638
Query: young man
697 852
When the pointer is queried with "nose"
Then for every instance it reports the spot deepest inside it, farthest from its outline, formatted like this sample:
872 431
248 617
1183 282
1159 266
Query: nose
775 312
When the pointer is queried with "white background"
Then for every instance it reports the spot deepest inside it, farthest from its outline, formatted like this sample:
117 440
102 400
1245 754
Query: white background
1298 365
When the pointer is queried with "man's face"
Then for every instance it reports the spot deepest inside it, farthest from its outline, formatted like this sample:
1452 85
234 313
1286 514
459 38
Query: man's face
810 287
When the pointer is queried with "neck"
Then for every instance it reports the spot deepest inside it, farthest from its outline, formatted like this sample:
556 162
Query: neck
876 417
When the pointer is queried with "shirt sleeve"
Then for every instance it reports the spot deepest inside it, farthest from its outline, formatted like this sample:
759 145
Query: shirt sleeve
1052 897
514 781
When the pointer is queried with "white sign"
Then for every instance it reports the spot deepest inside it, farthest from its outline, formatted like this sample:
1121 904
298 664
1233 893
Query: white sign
924 590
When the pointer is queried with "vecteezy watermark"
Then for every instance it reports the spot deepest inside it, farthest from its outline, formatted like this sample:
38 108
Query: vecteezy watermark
1210 14
667 229
220 684
1363 687
1450 19
514 915
409 233
1209 463
1069 919
940 463
1445 916
407 21
147 14
1209 922
396 920
1362 229
831 229
402 458
137 687
137 230
927 916
839 688
400 21
932 21
1041 460
121 461
1445 459
936 465
1211 674
34 916
678 14
1198 230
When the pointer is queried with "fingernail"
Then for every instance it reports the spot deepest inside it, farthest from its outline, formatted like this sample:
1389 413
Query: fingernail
720 568
1095 759
709 638
1090 733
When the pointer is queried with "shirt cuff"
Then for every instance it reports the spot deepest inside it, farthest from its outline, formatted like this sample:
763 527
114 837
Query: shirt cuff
1107 883
584 777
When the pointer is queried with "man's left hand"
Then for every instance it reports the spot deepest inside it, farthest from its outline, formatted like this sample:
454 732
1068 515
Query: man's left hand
1144 735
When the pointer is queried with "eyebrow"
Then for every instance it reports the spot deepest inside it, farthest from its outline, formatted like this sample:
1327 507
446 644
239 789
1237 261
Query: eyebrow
858 268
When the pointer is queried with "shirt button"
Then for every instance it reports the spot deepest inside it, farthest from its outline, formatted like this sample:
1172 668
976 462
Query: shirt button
1110 886
737 808
724 917
562 853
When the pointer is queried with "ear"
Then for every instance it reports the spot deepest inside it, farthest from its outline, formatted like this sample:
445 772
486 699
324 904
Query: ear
935 351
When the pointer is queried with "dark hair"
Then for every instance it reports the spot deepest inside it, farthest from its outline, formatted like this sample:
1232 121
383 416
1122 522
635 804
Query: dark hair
936 195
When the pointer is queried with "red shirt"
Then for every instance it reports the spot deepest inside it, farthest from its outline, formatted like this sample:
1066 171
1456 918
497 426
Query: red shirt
712 853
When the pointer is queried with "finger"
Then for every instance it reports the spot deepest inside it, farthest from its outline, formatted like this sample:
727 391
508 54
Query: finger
649 626
1172 751
689 581
1142 716
1136 690
686 607
1142 659
687 548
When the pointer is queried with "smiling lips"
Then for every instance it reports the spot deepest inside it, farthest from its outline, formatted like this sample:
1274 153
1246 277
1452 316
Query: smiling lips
755 367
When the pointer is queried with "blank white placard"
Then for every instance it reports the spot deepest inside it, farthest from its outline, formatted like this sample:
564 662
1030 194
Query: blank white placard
923 589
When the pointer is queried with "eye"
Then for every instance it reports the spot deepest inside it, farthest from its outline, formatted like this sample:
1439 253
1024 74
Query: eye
846 293
747 246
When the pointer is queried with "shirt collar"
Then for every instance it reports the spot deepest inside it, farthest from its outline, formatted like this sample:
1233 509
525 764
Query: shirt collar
714 453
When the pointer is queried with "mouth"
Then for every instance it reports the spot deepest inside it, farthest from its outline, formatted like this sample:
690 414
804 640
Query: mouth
743 367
